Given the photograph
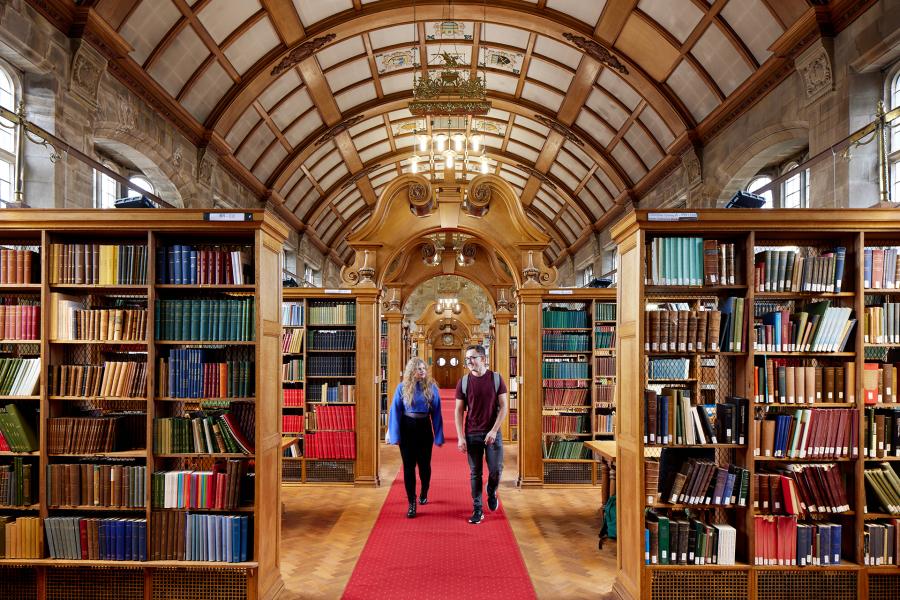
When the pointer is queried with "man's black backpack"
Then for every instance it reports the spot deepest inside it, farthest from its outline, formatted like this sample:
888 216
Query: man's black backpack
465 384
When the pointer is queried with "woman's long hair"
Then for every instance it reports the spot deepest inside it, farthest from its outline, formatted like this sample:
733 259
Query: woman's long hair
409 382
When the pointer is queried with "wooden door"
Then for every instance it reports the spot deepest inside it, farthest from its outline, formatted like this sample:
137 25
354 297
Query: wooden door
445 372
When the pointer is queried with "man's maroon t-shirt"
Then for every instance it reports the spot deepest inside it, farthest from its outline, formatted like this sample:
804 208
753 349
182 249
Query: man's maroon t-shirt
480 401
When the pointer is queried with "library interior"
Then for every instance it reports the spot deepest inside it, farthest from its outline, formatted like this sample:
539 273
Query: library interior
278 278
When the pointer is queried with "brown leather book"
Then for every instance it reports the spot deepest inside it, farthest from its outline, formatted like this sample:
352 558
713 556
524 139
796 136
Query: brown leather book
800 385
683 318
839 384
767 443
664 327
819 385
828 384
789 375
711 274
692 331
712 333
673 330
702 325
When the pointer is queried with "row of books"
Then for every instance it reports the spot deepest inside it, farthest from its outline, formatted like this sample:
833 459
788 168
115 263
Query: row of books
825 433
293 423
687 541
668 368
331 444
327 339
200 433
881 433
605 390
603 311
112 379
330 392
182 264
330 312
218 489
292 370
565 449
21 537
17 265
783 541
332 365
223 319
17 483
605 423
561 397
882 324
881 543
559 341
788 271
200 373
670 417
816 327
90 435
292 447
19 376
293 397
292 314
17 432
98 264
690 261
682 330
604 336
292 341
801 490
884 482
574 368
20 321
703 482
565 316
176 535
565 424
82 538
879 383
92 484
71 321
332 417
881 268
788 381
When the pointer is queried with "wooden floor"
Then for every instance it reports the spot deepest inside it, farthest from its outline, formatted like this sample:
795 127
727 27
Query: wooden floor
324 530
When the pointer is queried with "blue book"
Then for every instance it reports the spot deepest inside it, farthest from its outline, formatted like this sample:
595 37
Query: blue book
646 546
840 256
836 543
189 538
142 540
193 266
129 539
729 489
119 539
161 265
176 265
825 544
867 268
235 540
245 536
101 540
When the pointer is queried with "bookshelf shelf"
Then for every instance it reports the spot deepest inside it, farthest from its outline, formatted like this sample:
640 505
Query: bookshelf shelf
681 506
29 507
314 351
73 257
332 403
735 567
331 326
881 291
883 459
336 376
652 445
660 290
772 249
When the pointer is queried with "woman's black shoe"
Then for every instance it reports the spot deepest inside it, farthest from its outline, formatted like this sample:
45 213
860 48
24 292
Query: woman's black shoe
412 510
423 499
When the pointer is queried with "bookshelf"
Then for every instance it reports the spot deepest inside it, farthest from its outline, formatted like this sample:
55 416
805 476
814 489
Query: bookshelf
513 417
153 360
578 391
327 447
383 398
788 375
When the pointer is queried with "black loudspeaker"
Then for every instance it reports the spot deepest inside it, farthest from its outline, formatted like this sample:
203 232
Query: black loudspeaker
135 202
742 199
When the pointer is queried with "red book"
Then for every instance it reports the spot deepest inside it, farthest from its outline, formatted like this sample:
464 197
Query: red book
82 530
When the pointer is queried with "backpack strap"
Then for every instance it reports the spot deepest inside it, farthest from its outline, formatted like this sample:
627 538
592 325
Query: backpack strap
465 384
496 382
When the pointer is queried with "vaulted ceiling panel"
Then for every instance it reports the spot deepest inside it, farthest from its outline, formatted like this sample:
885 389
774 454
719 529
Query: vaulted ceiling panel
355 95
638 139
242 127
647 47
258 141
503 34
207 90
719 57
367 138
572 163
347 74
346 198
526 136
310 199
693 91
561 53
629 162
396 83
300 130
313 11
550 74
270 160
146 26
497 82
374 151
341 51
588 12
178 61
678 17
590 202
542 95
291 182
617 88
252 45
285 84
651 119
525 152
288 112
321 167
390 36
599 193
338 172
564 175
754 25
594 127
576 151
221 17
607 108
601 176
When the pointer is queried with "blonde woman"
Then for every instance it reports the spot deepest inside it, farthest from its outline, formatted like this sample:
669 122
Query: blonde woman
416 424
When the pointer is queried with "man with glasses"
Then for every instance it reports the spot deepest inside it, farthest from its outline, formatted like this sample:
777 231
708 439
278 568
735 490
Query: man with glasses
482 395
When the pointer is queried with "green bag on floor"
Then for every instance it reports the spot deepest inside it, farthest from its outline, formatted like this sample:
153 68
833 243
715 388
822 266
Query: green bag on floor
609 519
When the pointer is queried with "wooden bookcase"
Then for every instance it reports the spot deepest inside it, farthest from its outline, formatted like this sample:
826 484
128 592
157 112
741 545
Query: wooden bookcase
383 398
135 408
513 383
340 332
575 346
716 375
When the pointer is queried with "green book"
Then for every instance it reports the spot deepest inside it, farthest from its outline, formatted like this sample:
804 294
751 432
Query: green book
23 430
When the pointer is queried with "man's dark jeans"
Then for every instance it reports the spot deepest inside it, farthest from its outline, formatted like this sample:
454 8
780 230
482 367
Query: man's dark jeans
478 452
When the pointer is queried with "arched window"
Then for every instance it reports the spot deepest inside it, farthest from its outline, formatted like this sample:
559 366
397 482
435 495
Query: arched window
795 189
141 182
7 137
894 157
759 182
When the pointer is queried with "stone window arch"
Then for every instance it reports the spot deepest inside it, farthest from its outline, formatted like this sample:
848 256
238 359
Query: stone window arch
893 101
10 91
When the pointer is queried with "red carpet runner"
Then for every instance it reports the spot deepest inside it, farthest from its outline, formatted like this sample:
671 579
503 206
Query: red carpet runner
438 554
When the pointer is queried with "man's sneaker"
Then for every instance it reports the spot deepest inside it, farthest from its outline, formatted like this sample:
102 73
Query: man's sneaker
493 501
477 516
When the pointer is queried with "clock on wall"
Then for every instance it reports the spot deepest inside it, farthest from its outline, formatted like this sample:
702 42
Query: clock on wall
448 339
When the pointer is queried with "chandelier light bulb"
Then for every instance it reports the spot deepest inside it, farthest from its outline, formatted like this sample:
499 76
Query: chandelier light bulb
449 159
459 142
476 142
414 163
440 142
423 142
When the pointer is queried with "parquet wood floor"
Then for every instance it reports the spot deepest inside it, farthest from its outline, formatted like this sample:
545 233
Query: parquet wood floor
324 530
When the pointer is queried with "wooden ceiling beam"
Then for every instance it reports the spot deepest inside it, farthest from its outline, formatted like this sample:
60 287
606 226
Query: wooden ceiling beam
612 20
285 20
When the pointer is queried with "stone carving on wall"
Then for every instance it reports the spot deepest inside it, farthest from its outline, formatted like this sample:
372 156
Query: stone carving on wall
88 66
816 68
301 53
204 167
693 174
177 158
126 116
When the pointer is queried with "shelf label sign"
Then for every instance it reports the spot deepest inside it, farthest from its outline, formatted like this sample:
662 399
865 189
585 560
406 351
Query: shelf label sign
665 216
337 291
228 216
561 292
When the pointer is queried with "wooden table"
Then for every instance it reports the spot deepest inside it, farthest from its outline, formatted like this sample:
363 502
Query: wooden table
605 452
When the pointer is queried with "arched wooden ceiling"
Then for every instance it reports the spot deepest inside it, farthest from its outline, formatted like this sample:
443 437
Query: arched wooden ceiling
594 100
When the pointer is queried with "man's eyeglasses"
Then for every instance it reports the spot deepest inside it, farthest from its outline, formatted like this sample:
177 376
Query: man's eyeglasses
472 358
